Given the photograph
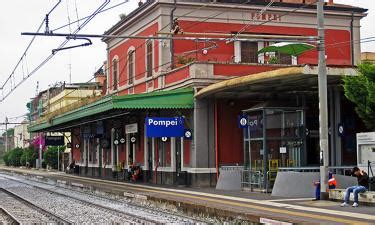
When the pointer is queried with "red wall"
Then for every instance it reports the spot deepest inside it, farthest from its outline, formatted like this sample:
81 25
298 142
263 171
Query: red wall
241 70
177 75
140 55
225 52
76 139
230 136
187 144
139 147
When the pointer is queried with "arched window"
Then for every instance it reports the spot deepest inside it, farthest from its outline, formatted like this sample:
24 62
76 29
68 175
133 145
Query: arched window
149 58
131 66
114 74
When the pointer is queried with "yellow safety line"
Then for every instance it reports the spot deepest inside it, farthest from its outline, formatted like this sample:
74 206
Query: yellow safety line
246 205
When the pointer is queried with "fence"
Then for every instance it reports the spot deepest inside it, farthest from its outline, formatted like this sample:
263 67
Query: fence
251 178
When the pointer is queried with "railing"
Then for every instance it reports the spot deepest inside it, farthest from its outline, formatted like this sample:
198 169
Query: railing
251 179
342 170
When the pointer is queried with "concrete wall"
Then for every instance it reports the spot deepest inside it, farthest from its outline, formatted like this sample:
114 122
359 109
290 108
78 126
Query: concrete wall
300 185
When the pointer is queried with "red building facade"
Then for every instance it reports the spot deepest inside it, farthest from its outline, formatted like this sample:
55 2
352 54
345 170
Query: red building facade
214 43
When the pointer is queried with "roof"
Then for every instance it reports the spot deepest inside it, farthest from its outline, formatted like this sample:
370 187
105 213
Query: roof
334 7
174 99
285 79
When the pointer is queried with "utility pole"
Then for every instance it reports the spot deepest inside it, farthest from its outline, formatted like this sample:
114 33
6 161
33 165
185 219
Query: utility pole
6 134
323 111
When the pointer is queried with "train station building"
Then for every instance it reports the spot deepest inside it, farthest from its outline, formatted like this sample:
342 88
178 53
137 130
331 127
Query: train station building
201 63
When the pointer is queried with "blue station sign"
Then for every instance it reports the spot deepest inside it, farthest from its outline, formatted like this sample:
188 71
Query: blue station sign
165 126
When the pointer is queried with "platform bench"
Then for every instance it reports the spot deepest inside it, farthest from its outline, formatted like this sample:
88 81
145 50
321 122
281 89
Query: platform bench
338 195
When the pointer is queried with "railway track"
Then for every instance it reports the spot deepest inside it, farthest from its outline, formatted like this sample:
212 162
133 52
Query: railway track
131 213
21 211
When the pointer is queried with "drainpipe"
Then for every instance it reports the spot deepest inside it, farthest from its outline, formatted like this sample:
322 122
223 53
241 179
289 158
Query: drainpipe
351 38
171 47
216 143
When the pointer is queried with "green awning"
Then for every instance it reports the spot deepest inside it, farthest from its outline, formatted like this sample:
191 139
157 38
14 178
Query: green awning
175 99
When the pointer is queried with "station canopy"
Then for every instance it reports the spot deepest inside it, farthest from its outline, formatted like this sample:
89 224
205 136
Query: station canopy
289 80
173 99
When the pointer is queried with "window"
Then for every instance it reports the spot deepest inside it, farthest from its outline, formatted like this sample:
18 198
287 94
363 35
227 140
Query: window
131 67
114 74
285 58
149 61
249 52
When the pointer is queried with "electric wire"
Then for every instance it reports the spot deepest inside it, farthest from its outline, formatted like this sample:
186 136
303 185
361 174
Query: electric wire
52 55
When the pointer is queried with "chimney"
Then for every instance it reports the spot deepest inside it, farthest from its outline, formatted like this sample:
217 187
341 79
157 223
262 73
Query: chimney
99 75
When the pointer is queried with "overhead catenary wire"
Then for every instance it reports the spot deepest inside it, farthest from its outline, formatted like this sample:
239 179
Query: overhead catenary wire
149 38
52 55
27 48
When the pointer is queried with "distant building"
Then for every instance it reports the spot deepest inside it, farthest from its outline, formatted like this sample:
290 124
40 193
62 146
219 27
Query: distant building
21 135
368 57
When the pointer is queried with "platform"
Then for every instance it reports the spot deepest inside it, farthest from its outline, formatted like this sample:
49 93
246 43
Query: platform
249 206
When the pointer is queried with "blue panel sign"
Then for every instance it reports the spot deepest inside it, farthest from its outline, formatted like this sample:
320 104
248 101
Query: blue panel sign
164 126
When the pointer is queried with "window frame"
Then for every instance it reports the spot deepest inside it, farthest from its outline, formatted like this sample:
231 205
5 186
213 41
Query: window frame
149 55
131 66
115 68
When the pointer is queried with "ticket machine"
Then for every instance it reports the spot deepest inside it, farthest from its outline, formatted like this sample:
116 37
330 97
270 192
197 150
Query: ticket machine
366 150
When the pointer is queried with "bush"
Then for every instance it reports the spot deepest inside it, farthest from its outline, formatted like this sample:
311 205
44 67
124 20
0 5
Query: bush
6 158
50 156
29 155
15 157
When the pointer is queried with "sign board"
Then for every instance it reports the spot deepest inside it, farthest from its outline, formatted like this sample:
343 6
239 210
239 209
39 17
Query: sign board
188 134
242 121
133 139
164 126
283 150
341 130
122 140
91 136
164 139
54 140
131 128
116 142
267 221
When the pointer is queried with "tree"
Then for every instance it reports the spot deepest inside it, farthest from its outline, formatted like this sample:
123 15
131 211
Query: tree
50 156
361 91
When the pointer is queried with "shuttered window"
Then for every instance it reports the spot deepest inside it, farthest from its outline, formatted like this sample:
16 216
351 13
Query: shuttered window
131 67
114 74
149 61
249 52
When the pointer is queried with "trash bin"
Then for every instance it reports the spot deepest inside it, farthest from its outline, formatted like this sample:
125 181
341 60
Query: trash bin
76 169
182 178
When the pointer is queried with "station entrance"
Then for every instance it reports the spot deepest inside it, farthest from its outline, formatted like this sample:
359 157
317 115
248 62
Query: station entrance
275 137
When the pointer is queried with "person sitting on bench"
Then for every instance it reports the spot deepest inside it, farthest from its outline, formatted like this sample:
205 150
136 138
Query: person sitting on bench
363 184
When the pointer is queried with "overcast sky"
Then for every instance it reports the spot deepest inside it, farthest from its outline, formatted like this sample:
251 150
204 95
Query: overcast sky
25 16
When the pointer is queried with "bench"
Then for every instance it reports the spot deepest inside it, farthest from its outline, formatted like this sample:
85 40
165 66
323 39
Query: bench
368 198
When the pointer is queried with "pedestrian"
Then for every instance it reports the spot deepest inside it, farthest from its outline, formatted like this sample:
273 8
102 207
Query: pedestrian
363 184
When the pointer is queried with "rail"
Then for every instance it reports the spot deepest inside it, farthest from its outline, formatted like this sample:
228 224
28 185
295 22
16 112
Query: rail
56 218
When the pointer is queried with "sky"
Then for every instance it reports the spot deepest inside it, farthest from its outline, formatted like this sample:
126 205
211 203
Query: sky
18 16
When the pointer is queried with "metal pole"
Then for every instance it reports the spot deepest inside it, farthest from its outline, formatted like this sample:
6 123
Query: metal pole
58 158
40 151
323 111
6 134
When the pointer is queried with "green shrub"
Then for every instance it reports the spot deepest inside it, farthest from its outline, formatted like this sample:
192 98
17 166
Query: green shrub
50 156
6 158
29 155
15 157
